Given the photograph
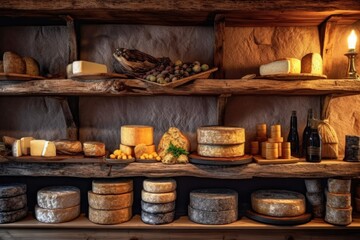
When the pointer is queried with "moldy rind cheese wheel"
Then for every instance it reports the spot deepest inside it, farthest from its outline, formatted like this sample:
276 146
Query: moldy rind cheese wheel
58 197
132 135
110 216
235 150
158 197
112 186
110 201
219 135
159 185
213 199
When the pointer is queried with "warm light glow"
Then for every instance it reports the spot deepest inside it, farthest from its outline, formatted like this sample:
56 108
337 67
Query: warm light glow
352 40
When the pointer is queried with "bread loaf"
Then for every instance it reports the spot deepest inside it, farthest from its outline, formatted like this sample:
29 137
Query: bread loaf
32 66
13 63
174 136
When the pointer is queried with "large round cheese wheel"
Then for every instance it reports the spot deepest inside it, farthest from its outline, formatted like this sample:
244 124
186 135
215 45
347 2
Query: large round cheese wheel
110 201
157 218
12 189
313 185
58 197
68 147
236 150
159 185
13 203
94 149
112 186
110 216
338 216
56 215
158 207
338 200
13 216
207 217
339 185
278 203
214 199
219 135
158 197
132 135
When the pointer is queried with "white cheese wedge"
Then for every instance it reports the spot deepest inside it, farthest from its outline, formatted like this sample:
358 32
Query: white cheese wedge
312 63
42 148
285 66
85 67
25 145
16 149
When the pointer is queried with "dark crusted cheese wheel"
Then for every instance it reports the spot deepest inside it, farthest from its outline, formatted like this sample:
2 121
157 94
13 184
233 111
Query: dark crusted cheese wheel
13 216
313 185
315 198
213 218
339 185
220 135
58 197
214 199
13 203
338 200
157 218
56 215
278 203
158 207
112 186
159 185
110 201
338 216
110 216
12 189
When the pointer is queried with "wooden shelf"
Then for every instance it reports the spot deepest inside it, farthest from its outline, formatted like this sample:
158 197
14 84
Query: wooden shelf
123 87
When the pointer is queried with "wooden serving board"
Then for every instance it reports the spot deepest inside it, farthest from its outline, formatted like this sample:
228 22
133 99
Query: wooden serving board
57 159
119 161
197 159
260 160
302 219
147 160
19 77
99 76
293 76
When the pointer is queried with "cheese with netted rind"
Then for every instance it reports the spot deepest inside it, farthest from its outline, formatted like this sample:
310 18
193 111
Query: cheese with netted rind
236 150
219 135
58 197
112 186
56 215
214 199
158 197
159 185
110 201
213 218
110 216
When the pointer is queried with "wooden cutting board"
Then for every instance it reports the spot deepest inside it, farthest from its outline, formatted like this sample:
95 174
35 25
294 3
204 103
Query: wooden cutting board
197 159
260 160
279 220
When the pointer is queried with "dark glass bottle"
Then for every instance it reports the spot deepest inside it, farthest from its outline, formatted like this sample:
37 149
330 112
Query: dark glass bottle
313 149
293 136
306 132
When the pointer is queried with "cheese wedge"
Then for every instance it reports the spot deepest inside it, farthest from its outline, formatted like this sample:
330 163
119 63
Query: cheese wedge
312 63
16 149
25 145
42 148
285 66
85 67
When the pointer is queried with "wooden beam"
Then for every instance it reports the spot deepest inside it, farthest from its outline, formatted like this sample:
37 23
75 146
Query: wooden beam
219 32
72 38
72 130
221 106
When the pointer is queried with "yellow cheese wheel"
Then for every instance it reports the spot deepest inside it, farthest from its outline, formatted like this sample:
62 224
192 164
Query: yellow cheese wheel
132 135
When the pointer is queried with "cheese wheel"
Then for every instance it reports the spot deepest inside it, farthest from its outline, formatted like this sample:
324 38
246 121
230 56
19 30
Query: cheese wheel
127 149
56 215
56 197
16 149
313 185
13 216
158 197
278 203
213 218
236 150
158 207
68 147
110 201
12 189
110 216
312 63
112 186
13 203
219 135
132 135
276 140
214 200
158 218
338 200
283 66
159 185
316 198
94 149
338 216
339 185
140 149
42 148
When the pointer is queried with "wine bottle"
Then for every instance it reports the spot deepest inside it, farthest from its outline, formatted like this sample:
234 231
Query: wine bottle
306 132
313 149
293 136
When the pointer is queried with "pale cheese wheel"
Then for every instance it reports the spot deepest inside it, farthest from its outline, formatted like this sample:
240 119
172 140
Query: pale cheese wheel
219 135
128 150
236 150
338 200
110 201
212 218
157 218
57 197
12 189
278 203
13 203
336 185
159 185
158 197
338 216
158 207
16 149
94 149
110 216
112 186
312 63
132 135
140 149
214 200
56 215
13 216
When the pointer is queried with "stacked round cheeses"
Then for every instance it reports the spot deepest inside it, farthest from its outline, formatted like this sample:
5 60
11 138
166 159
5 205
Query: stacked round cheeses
357 198
57 204
221 141
315 196
13 202
110 201
338 202
213 206
158 201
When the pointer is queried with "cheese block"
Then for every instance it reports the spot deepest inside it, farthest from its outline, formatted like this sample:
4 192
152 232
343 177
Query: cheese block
313 185
87 68
159 185
132 135
16 149
110 216
55 197
278 203
219 135
56 215
285 66
316 198
110 201
312 63
13 216
94 149
158 197
338 216
213 218
12 189
158 218
339 185
214 200
128 150
140 149
25 145
13 203
112 186
176 138
158 207
68 147
42 148
338 200
235 150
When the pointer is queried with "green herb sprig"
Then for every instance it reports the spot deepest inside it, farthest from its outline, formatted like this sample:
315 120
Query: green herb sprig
176 151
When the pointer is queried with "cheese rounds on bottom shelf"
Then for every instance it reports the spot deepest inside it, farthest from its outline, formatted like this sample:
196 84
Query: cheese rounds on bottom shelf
157 218
158 197
158 207
235 150
13 216
58 215
112 186
159 185
110 201
338 216
214 218
58 197
13 202
110 216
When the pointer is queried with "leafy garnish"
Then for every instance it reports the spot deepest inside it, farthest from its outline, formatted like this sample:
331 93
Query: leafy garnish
176 151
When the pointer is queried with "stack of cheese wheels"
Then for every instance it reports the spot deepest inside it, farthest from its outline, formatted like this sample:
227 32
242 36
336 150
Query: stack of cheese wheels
158 201
275 137
275 147
278 203
218 141
213 206
57 204
315 196
13 202
110 201
338 202
137 135
357 198
261 135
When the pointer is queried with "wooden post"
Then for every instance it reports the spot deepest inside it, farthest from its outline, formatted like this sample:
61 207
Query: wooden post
72 130
72 38
221 105
219 30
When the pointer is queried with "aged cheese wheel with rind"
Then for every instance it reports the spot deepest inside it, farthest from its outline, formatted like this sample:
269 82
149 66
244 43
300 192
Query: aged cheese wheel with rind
132 135
112 186
107 217
13 216
110 201
336 185
219 135
236 150
94 149
316 198
338 200
338 216
213 218
12 189
158 197
313 185
278 203
214 199
58 215
55 197
13 203
158 207
159 185
157 218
